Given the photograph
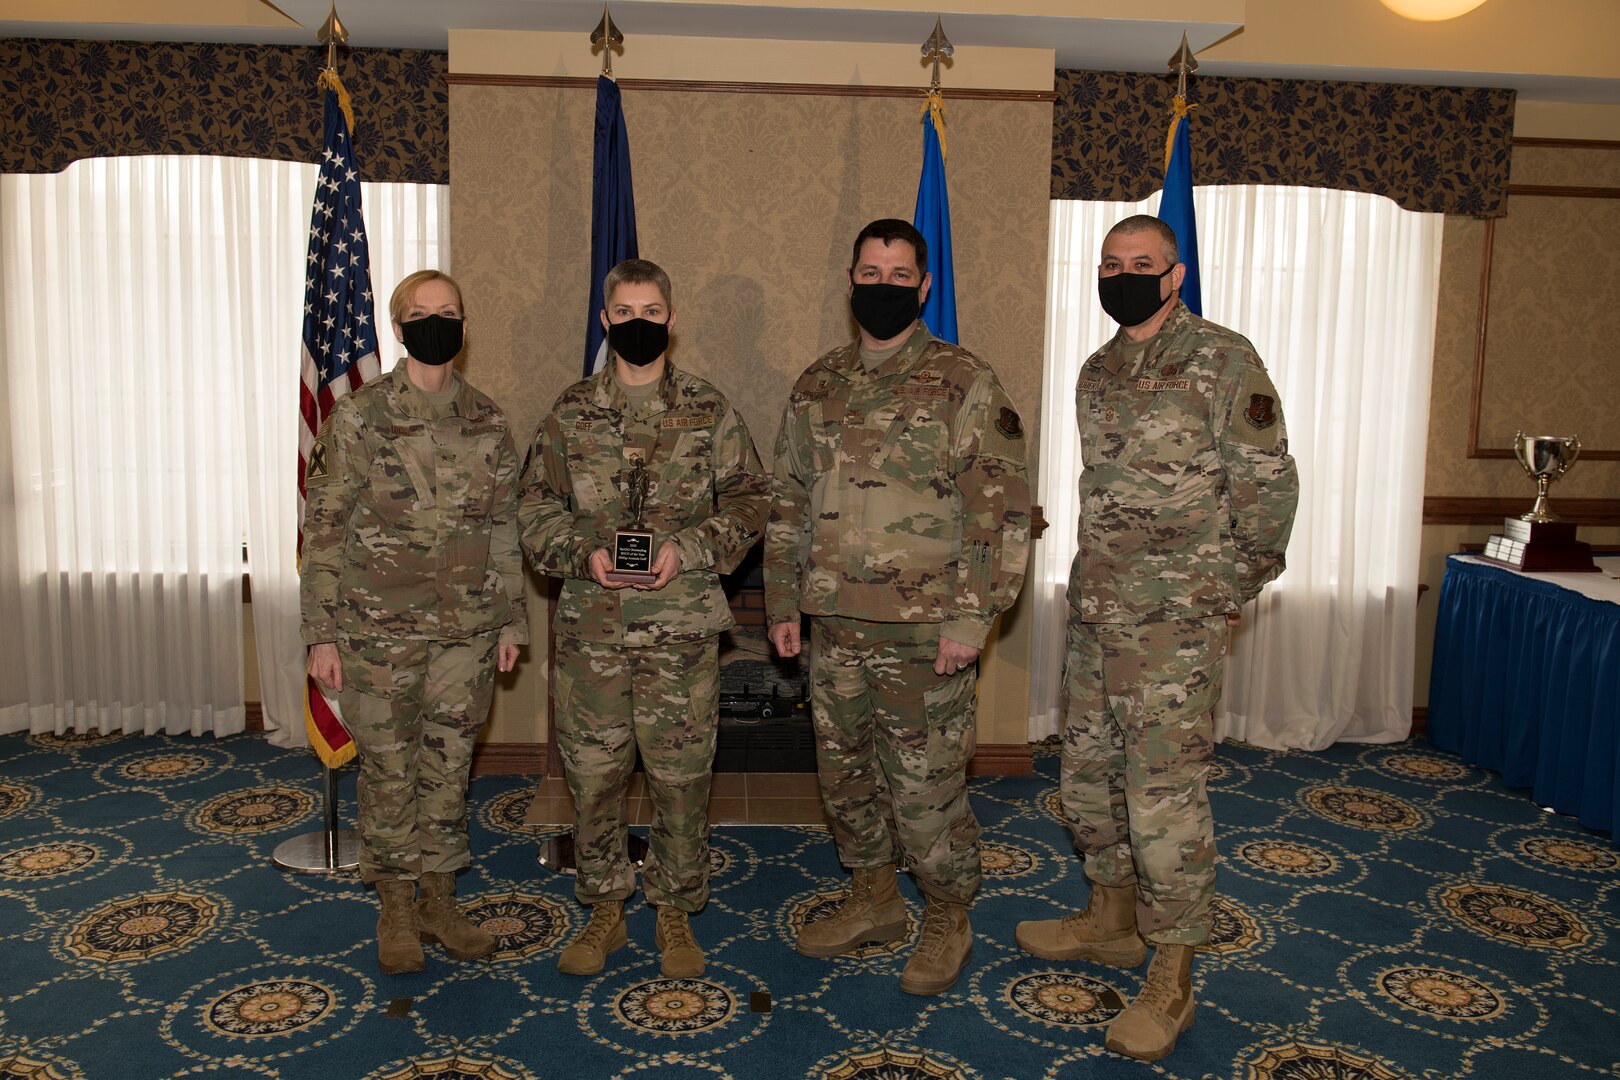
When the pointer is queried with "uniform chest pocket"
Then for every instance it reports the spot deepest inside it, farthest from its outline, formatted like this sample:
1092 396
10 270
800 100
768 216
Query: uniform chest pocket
691 465
401 477
1167 443
594 456
466 471
911 442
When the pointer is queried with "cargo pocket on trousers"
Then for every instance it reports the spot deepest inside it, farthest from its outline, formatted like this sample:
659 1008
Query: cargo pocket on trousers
949 709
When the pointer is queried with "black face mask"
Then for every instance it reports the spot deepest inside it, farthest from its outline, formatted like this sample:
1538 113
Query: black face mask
638 341
432 339
885 310
1131 299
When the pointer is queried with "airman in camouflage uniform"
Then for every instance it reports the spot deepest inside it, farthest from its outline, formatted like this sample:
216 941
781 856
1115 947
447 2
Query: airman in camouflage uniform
1187 500
412 583
900 524
637 666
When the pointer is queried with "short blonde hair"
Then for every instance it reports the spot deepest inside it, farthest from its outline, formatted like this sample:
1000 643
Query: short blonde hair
637 272
405 292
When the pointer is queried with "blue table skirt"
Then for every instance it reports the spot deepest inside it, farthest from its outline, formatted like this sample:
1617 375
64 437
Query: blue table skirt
1526 681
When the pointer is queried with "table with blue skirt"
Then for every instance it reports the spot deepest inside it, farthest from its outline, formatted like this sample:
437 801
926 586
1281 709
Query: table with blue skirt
1526 681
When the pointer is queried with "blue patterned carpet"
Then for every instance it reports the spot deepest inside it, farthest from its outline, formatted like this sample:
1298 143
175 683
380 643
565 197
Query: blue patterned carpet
1385 912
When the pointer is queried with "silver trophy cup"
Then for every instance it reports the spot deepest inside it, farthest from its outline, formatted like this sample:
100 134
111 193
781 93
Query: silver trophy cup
1545 458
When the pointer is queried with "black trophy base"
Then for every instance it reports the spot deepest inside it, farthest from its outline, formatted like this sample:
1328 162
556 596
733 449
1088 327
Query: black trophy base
632 557
1540 547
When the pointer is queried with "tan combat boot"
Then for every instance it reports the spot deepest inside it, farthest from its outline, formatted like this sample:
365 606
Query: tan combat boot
946 944
872 912
1104 932
587 953
1148 1027
673 935
440 920
399 947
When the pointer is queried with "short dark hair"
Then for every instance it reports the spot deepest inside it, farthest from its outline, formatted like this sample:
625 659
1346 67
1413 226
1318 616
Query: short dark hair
1139 223
889 230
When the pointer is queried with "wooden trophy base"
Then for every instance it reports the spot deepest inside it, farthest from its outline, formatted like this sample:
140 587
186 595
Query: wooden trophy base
632 558
1539 546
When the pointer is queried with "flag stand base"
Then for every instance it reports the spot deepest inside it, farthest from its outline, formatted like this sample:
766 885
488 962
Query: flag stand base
330 851
319 853
557 853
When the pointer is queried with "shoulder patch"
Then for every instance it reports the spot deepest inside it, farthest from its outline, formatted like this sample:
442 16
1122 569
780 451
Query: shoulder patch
1256 412
319 466
1009 424
1004 429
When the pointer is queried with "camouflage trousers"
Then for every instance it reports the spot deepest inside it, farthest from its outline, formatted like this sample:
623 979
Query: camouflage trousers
1137 740
892 747
661 700
414 708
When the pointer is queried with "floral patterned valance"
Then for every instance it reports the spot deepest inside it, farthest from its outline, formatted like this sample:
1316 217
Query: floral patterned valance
1429 148
66 100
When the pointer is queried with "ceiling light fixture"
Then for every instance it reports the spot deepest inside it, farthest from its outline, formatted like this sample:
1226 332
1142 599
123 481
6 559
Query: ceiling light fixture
1432 10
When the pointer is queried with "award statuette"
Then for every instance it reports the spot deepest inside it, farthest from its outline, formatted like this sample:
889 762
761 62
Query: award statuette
1539 540
633 546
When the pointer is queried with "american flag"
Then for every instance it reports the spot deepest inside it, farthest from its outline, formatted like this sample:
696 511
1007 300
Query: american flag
340 341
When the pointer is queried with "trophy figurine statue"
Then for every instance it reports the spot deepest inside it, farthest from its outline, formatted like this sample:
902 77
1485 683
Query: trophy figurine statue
633 546
1539 540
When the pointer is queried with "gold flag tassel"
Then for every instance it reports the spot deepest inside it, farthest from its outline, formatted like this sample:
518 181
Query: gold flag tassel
1180 110
329 81
935 107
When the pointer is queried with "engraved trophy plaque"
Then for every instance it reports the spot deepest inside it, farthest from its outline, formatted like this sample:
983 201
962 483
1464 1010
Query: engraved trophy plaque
1538 540
633 546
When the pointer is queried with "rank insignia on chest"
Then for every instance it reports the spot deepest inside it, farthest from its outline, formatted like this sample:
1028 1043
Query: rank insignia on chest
1262 411
1109 415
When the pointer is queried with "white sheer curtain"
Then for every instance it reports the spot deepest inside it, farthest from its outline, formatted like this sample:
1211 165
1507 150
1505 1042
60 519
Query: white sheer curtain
150 372
1338 291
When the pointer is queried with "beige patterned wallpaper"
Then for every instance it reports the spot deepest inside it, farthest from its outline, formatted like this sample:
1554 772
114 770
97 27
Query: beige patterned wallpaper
1551 359
750 201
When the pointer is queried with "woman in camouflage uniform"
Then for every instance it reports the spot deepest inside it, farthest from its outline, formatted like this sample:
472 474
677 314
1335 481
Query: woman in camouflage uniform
412 588
637 663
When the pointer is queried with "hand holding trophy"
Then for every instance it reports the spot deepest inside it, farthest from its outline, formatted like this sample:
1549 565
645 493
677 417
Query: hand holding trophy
632 551
1538 540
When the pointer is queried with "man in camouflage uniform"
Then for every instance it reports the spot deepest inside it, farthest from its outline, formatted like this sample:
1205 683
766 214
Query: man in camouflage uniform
901 526
637 664
412 593
1187 500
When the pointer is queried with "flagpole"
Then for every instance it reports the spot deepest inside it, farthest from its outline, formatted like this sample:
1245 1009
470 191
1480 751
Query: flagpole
332 850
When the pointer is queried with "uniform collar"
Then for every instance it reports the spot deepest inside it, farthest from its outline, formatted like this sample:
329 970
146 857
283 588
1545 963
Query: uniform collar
607 394
849 364
415 404
1175 324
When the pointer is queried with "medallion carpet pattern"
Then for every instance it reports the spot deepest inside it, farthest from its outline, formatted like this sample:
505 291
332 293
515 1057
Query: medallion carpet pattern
1384 912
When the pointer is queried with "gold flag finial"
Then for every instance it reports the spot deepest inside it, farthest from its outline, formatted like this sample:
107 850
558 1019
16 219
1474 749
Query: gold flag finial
332 34
936 48
1183 64
609 38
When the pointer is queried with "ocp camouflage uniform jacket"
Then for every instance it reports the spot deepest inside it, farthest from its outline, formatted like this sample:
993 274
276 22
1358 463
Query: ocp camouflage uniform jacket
900 492
410 519
708 495
1188 492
